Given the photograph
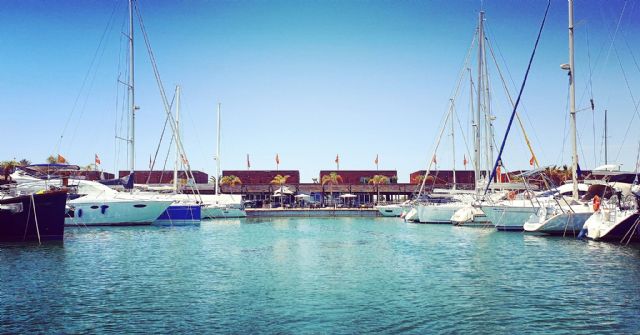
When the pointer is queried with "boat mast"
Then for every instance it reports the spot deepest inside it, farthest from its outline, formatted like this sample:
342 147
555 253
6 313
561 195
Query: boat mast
218 154
177 136
572 102
488 134
453 142
476 162
132 104
475 179
605 138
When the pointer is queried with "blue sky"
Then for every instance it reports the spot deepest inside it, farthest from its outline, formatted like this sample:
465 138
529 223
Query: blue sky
311 79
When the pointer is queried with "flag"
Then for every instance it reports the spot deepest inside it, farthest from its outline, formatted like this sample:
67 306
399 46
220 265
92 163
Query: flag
376 161
248 162
97 160
464 161
61 159
184 159
499 172
337 159
532 160
277 159
434 160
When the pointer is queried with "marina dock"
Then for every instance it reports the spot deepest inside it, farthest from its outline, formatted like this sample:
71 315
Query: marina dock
311 212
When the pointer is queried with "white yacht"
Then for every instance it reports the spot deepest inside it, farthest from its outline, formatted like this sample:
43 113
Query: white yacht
393 210
510 214
440 207
614 224
616 221
95 204
219 205
559 219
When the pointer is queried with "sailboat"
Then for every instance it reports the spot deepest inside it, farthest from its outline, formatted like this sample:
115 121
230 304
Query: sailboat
558 219
219 205
441 207
97 204
185 209
617 220
615 223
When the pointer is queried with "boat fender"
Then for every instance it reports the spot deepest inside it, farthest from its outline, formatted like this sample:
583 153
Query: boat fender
583 233
596 203
103 208
80 212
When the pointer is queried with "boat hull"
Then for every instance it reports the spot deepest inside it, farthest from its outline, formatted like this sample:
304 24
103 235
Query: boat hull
564 224
18 222
222 213
130 212
620 228
470 216
508 218
437 213
180 215
390 210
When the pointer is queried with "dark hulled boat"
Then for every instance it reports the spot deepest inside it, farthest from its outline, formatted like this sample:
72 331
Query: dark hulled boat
20 223
627 230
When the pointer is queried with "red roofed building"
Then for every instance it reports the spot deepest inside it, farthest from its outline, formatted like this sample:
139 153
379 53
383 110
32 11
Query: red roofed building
465 179
254 177
163 177
359 177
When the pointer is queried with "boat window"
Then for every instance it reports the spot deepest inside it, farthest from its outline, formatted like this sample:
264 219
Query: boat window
139 205
94 207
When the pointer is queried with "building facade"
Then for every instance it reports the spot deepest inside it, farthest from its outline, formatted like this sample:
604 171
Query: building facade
163 177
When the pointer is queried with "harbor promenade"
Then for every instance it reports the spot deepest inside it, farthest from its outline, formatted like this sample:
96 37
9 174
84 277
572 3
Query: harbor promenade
311 212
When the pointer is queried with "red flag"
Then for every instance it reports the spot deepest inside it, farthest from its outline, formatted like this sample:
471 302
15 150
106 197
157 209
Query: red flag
97 160
376 161
248 162
337 159
532 160
498 174
61 159
434 160
277 159
464 161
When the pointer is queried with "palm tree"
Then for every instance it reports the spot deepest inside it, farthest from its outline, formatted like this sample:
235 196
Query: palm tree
24 162
376 181
418 179
52 159
557 175
7 167
231 181
332 179
280 180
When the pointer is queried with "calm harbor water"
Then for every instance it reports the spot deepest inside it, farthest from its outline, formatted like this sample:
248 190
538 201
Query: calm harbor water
318 276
